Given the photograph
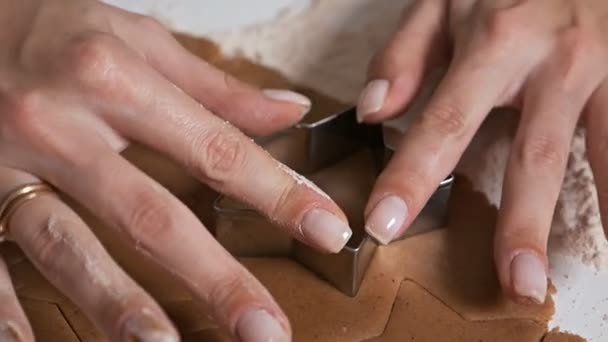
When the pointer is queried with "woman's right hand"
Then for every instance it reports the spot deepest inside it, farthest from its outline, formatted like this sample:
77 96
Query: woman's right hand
78 81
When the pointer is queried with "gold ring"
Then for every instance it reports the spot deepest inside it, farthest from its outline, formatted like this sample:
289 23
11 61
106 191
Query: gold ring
17 198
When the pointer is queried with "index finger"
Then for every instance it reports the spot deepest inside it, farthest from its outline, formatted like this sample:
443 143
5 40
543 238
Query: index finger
217 152
434 143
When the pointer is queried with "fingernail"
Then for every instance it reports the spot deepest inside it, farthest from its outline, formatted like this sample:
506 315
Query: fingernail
289 96
145 327
372 98
8 333
259 326
529 277
326 230
385 220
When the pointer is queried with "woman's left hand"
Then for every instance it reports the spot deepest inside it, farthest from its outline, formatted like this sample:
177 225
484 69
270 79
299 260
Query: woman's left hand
545 57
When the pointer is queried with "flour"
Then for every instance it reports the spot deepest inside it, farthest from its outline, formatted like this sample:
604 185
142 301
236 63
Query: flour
577 228
301 180
328 47
87 256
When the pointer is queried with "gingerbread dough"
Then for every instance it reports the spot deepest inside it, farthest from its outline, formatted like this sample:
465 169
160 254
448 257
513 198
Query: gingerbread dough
447 325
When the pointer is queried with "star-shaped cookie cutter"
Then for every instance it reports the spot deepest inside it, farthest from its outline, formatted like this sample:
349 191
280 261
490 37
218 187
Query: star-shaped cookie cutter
318 145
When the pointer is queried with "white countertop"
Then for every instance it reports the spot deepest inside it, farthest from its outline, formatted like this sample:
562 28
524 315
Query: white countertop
582 292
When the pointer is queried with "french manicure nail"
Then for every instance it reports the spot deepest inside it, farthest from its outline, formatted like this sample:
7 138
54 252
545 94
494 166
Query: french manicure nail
385 220
259 326
372 98
8 333
145 327
326 230
529 277
289 96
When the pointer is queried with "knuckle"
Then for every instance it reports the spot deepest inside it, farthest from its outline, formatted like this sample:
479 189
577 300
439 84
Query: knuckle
151 24
93 61
287 193
446 120
227 291
579 50
282 209
151 217
503 29
22 114
581 40
218 155
541 152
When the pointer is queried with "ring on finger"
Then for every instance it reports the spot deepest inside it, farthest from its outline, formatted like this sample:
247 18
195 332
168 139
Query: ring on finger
16 198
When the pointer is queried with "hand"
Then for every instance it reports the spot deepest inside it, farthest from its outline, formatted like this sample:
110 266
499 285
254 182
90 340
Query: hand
78 80
544 57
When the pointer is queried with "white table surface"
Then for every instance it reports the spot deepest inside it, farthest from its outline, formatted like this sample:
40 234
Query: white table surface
582 292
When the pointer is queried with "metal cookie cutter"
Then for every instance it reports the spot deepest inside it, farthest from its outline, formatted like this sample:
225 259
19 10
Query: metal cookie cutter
311 147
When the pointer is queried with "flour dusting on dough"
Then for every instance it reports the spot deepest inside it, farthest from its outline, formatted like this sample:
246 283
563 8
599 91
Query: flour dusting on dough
577 227
301 180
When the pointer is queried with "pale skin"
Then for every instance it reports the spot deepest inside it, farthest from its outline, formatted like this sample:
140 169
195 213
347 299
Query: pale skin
79 80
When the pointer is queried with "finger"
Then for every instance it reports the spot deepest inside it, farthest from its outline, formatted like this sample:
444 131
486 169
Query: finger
553 102
431 147
213 150
163 229
63 248
14 326
597 146
397 71
255 111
